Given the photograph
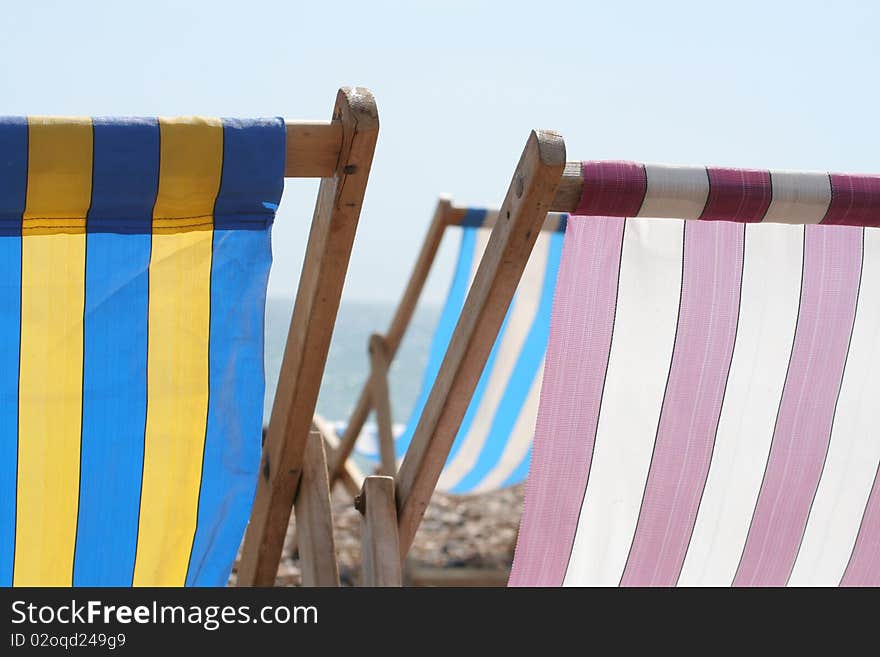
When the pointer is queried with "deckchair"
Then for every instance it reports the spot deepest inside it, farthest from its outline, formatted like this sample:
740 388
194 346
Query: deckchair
492 446
134 256
392 507
708 413
707 409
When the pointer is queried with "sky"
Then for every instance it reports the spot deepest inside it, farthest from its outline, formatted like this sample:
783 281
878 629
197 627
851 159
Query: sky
459 85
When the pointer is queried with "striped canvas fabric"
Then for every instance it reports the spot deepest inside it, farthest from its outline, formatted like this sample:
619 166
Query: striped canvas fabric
708 414
492 447
134 256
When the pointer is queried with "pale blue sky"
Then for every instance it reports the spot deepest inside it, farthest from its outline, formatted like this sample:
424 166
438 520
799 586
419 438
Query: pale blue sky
790 84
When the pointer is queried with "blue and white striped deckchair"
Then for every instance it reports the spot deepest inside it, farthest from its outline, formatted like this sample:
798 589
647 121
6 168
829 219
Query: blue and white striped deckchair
134 258
493 444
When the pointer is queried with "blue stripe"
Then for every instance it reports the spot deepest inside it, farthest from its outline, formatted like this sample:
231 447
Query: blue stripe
521 379
473 218
124 183
443 333
251 185
13 191
254 152
563 223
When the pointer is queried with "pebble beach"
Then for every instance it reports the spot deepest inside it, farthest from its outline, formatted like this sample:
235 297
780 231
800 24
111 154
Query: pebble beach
463 539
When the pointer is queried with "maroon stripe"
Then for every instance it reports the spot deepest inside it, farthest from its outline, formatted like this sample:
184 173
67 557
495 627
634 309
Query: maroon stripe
741 195
855 201
614 189
829 297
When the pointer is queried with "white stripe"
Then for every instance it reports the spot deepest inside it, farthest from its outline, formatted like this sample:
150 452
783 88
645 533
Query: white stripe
674 191
519 441
799 198
522 315
641 348
854 450
768 313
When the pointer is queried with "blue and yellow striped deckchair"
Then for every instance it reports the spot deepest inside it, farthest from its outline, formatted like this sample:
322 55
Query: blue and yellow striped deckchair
492 447
134 257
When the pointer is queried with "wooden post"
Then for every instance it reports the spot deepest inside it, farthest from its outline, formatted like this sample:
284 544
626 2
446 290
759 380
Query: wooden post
350 478
396 331
382 403
519 222
337 210
380 560
314 519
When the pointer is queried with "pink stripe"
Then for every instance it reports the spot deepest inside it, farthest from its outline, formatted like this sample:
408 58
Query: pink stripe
863 568
829 291
571 396
740 195
616 189
707 321
855 201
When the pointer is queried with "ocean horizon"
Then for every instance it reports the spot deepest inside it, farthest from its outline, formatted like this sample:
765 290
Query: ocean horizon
348 361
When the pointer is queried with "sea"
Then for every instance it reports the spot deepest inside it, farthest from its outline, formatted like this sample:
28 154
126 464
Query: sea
348 361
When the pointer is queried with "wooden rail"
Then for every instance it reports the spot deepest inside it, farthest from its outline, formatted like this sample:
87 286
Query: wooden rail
337 210
313 148
571 186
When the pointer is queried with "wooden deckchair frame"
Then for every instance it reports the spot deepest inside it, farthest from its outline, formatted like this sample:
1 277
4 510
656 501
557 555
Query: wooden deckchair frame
292 467
529 198
383 348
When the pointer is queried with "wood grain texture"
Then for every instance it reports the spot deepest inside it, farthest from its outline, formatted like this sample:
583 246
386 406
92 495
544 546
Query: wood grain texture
527 202
571 188
314 519
349 477
313 148
382 403
379 542
335 220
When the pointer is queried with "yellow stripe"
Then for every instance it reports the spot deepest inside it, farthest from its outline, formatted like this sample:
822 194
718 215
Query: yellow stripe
59 173
177 362
50 379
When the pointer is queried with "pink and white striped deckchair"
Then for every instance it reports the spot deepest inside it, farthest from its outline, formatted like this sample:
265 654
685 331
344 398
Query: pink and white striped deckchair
709 412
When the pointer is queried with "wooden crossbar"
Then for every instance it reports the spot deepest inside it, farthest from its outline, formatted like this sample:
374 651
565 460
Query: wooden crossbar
571 186
313 148
804 197
341 152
